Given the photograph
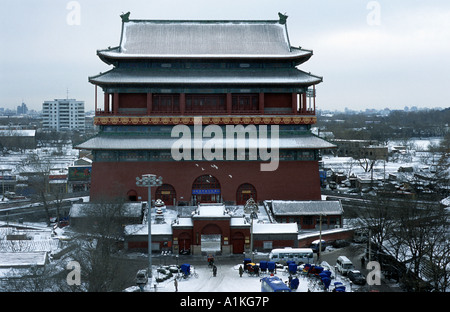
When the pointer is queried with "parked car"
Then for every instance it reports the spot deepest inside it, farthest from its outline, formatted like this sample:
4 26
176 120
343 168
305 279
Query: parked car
340 243
315 245
344 265
356 277
142 277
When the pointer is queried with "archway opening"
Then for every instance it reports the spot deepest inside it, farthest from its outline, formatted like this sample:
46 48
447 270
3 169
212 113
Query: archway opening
132 195
167 194
245 192
206 189
211 239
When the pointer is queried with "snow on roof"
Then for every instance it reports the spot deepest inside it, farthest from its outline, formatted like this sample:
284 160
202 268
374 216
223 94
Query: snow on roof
142 229
183 222
129 142
21 133
206 76
446 201
157 38
324 232
211 211
285 207
22 259
275 228
89 209
239 221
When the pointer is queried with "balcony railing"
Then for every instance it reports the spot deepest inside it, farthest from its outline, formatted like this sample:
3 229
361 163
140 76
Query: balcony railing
100 113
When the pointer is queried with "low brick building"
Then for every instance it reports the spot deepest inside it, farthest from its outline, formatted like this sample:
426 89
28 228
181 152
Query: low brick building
307 214
211 228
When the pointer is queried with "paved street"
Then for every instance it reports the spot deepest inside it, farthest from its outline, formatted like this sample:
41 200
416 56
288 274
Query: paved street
354 252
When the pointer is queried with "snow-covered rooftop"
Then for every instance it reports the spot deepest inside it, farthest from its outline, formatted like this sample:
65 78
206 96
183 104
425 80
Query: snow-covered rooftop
128 142
203 38
275 228
312 207
22 259
205 76
92 209
142 229
211 211
16 133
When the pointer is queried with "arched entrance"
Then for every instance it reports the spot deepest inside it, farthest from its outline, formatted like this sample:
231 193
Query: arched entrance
167 194
245 192
206 189
211 239
132 195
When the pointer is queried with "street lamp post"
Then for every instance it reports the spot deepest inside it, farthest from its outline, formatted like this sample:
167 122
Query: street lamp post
320 239
251 208
149 180
320 236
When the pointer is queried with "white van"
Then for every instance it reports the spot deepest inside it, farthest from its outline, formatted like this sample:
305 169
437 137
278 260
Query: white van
343 265
298 255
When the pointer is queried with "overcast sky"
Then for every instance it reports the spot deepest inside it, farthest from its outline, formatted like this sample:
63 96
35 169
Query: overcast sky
371 54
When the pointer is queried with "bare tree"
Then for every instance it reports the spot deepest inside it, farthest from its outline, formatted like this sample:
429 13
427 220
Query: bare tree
38 170
378 217
421 236
98 242
438 254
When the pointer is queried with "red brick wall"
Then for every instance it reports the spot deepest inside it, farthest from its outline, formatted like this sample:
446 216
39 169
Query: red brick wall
293 180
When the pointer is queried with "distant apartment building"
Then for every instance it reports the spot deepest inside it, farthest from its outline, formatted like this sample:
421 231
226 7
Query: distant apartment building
22 109
63 115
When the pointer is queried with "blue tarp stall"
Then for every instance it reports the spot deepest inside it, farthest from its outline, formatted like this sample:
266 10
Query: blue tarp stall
246 261
263 266
315 270
326 281
292 268
306 267
186 269
326 273
294 283
271 266
339 287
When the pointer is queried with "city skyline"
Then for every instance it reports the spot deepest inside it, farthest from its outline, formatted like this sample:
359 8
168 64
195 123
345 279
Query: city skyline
371 54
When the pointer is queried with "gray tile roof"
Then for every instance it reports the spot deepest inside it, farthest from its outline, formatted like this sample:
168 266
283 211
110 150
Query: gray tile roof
290 76
128 142
147 38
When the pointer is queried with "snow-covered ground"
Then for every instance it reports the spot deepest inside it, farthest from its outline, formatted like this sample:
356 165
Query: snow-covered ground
59 157
228 280
415 155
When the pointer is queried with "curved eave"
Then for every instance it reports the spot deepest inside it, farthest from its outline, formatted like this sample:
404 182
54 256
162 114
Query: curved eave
111 56
120 77
129 142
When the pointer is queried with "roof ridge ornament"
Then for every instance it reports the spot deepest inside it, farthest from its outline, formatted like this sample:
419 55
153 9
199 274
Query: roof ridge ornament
125 17
283 18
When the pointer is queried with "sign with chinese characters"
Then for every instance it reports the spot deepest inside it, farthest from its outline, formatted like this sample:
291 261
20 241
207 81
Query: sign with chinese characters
205 192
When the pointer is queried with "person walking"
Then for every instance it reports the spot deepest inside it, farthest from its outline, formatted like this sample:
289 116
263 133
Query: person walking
241 271
214 270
